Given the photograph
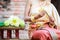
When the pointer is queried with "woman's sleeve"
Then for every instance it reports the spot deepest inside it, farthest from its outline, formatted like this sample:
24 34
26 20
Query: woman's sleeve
55 15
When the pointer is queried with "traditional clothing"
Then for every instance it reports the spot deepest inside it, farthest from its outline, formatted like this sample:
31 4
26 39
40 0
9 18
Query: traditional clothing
49 8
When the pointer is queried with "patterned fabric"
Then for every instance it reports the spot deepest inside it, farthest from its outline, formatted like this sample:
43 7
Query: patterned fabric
44 34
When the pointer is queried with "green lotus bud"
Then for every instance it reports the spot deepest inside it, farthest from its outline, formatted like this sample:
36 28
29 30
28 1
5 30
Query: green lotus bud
22 23
6 23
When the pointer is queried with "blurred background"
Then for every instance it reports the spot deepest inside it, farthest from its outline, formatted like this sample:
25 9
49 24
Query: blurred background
57 4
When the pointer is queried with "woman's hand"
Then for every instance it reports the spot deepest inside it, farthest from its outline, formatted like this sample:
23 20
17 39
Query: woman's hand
27 19
51 20
41 14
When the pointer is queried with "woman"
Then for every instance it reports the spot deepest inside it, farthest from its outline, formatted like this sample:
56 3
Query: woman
42 12
34 7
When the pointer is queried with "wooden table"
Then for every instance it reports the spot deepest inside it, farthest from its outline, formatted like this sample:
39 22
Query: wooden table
12 32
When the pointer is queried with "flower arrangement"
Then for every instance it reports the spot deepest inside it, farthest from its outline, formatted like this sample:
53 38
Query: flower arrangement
14 21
